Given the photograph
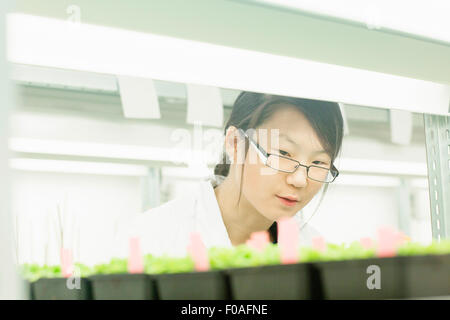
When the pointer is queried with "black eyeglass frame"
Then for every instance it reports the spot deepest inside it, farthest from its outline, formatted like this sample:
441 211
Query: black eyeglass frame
334 171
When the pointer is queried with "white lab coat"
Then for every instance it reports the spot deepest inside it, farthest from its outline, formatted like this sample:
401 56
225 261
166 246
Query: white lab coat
166 229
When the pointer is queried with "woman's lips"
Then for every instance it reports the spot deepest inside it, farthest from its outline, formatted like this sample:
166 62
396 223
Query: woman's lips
287 202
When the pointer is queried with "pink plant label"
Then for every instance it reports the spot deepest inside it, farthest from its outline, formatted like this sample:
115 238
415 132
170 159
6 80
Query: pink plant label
66 262
259 240
387 242
251 243
318 243
135 259
366 243
288 235
198 252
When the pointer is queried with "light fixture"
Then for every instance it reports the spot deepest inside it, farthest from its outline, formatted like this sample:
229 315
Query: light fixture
63 166
192 157
139 98
41 41
401 126
367 180
389 167
188 173
59 78
113 151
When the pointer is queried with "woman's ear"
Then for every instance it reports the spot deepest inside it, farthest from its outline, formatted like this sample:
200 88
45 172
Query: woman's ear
235 145
231 143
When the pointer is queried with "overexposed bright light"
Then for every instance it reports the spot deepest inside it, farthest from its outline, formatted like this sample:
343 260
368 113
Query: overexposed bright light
44 165
204 105
401 125
90 81
139 98
428 19
367 180
100 150
55 43
190 173
382 167
193 158
419 183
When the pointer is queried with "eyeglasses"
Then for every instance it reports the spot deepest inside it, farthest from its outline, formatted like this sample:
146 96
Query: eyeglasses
285 164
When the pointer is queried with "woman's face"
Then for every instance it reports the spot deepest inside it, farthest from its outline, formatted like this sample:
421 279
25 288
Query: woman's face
267 189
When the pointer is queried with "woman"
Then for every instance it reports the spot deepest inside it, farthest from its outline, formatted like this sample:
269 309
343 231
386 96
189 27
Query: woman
279 153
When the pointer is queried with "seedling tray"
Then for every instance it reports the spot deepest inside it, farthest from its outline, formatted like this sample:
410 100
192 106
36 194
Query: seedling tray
28 287
56 289
123 287
278 282
426 275
348 279
205 285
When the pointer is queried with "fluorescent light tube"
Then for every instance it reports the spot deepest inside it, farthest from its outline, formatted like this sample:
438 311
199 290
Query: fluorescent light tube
193 158
367 180
116 151
191 173
102 168
382 167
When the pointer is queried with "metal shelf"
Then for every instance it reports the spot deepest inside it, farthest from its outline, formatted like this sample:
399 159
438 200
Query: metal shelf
437 136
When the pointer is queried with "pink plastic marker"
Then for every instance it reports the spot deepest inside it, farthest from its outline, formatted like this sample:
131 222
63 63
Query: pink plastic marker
251 243
318 243
288 240
198 252
366 242
66 262
259 240
135 259
387 242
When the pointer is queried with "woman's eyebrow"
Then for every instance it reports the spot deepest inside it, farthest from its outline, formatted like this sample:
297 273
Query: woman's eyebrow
282 135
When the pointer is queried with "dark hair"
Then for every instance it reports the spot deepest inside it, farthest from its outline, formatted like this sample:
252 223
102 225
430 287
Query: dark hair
251 109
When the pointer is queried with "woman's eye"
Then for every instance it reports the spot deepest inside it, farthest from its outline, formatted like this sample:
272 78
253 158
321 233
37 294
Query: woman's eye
321 163
283 153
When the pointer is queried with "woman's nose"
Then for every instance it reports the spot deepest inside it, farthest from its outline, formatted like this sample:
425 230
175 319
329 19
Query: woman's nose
298 178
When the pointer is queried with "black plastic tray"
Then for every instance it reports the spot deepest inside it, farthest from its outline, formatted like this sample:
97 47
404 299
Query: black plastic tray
56 289
278 282
205 285
426 275
123 287
348 279
28 288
